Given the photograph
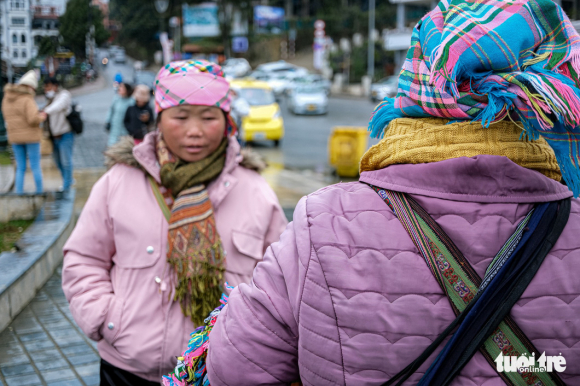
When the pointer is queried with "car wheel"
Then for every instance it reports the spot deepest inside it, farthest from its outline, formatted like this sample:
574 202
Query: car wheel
277 143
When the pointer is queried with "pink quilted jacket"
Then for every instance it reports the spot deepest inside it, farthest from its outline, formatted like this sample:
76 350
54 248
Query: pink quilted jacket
344 298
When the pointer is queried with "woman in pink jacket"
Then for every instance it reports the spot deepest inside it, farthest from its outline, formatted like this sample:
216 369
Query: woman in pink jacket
172 220
455 259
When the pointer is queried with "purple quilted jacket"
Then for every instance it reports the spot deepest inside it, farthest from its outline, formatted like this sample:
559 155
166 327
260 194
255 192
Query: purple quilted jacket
344 298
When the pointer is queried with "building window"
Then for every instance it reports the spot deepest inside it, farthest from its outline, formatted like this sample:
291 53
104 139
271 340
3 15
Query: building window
24 54
15 54
17 4
18 21
23 38
14 38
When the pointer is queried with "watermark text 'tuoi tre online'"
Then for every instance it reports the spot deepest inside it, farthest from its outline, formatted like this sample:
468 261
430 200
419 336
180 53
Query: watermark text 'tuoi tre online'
544 364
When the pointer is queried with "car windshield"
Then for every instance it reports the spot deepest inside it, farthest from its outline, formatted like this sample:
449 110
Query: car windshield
258 96
309 90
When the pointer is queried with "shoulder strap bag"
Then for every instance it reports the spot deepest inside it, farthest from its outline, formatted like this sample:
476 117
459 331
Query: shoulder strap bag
481 306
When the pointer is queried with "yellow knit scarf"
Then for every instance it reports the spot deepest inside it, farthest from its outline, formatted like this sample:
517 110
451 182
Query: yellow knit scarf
422 140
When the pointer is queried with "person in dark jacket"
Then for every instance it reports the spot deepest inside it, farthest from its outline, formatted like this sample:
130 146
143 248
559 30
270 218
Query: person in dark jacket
139 117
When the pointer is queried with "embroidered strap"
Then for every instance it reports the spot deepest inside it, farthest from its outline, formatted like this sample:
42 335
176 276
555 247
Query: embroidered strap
160 198
461 284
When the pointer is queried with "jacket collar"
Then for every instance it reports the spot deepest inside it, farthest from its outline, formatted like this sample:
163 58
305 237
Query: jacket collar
218 189
484 178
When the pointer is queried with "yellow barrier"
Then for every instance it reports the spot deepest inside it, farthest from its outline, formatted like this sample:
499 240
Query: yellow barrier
346 146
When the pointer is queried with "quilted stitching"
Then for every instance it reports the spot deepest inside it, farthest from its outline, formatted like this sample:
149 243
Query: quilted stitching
388 306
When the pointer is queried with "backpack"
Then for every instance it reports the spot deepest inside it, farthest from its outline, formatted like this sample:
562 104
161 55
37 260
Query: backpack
75 120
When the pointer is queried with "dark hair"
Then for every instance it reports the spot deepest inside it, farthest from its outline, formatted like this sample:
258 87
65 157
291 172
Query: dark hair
158 120
51 80
129 88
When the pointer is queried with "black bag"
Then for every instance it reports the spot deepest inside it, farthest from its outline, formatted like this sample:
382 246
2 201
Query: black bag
75 120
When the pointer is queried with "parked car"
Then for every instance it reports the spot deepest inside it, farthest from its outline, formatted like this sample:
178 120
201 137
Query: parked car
236 67
144 77
264 121
384 88
308 99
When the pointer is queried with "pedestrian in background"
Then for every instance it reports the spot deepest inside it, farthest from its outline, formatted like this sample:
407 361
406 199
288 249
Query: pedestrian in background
454 214
22 120
147 261
139 117
117 80
58 108
116 116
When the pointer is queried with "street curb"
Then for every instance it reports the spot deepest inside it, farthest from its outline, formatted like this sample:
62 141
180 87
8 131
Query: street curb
25 272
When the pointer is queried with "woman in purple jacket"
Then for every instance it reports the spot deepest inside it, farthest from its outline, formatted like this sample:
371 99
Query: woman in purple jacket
371 273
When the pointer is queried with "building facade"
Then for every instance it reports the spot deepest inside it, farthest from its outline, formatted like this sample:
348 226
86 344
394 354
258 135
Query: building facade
23 23
44 23
16 32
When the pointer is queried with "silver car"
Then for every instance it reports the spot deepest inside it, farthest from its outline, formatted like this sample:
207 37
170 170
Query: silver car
308 99
384 88
310 79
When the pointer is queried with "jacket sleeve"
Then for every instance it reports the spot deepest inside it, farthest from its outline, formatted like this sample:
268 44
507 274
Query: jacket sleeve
60 103
255 339
111 109
88 253
127 122
150 111
31 113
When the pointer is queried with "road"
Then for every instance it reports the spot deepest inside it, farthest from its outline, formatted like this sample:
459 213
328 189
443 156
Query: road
305 143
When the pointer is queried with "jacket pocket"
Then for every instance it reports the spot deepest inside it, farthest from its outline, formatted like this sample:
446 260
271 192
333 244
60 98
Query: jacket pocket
248 244
112 326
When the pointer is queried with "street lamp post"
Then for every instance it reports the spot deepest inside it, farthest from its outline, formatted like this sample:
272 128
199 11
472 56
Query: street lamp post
371 44
161 7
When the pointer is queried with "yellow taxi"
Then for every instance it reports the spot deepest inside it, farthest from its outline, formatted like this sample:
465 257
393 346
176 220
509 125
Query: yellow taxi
264 120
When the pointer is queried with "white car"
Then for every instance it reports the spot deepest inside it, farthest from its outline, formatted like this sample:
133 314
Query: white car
120 56
310 79
308 99
236 67
384 88
280 82
280 65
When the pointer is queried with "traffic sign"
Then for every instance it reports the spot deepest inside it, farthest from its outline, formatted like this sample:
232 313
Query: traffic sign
240 44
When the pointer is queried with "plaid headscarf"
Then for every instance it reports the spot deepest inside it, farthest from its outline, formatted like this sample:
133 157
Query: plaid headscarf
193 82
485 60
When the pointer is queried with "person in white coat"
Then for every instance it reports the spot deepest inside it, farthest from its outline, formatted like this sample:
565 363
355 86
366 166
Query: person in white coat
58 108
